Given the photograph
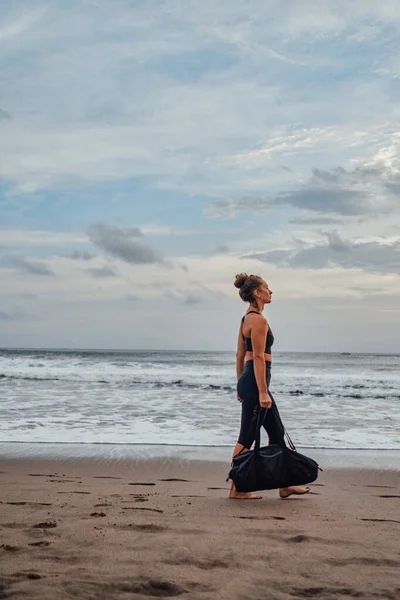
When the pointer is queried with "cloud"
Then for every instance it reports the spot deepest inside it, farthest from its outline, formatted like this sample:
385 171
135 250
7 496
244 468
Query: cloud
316 221
121 243
369 256
192 300
39 238
317 199
33 267
228 209
222 249
100 272
226 87
77 255
347 202
368 190
18 24
132 298
15 315
4 115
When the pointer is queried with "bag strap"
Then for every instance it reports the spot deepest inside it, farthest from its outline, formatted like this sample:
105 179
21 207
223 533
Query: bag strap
289 440
261 416
262 413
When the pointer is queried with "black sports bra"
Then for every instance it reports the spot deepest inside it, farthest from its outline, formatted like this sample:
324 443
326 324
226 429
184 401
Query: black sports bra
269 341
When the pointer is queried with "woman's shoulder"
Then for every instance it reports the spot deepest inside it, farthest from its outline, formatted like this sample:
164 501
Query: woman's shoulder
257 320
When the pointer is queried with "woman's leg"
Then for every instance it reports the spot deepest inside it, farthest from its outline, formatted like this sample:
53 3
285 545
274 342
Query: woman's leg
276 433
233 493
247 429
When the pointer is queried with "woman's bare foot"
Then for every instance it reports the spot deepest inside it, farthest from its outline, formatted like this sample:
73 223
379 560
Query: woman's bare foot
288 491
235 495
244 496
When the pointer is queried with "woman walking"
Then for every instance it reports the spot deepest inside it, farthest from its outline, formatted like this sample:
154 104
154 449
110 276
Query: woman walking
253 370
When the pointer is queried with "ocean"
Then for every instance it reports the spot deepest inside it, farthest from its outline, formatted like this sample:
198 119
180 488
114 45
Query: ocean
177 399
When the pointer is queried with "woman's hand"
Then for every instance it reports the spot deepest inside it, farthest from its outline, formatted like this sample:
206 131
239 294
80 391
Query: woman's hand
239 398
265 400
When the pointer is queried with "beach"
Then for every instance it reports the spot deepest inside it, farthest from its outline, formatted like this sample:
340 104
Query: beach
97 528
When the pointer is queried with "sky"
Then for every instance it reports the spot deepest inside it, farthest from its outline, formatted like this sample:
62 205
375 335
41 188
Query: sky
150 150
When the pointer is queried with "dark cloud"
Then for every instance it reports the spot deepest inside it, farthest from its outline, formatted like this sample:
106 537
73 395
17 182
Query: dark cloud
132 298
346 202
102 272
385 177
122 243
4 115
372 257
221 249
364 191
77 255
363 174
192 300
15 315
33 267
329 177
316 221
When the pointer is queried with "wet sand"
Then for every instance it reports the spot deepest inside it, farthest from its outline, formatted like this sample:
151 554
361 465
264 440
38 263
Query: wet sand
104 530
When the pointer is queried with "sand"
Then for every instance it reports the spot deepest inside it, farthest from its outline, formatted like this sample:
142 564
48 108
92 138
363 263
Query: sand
103 530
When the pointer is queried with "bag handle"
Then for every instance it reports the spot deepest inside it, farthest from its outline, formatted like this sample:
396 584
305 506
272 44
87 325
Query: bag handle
260 420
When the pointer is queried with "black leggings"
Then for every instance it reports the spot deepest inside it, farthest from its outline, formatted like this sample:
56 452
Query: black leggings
248 391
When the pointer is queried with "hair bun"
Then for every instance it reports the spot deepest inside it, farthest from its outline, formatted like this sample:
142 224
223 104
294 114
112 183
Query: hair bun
240 280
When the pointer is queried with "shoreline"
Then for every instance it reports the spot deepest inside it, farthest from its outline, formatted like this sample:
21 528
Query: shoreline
328 458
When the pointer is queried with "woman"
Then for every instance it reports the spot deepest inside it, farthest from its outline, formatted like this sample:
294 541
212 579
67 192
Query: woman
253 370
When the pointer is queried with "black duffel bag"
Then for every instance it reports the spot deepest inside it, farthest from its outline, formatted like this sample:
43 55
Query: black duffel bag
271 467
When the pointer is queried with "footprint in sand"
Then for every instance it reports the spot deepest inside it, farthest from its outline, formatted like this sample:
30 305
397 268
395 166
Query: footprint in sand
206 564
143 483
148 527
260 518
174 479
29 503
372 562
157 510
63 481
379 486
179 496
325 592
9 548
381 520
297 539
42 474
134 499
142 587
28 575
41 544
388 496
74 492
45 525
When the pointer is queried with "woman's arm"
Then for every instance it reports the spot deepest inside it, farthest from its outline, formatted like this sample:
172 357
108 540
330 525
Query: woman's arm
240 354
259 330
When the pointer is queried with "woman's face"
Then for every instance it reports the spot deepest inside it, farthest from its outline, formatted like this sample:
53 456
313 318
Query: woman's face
264 293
